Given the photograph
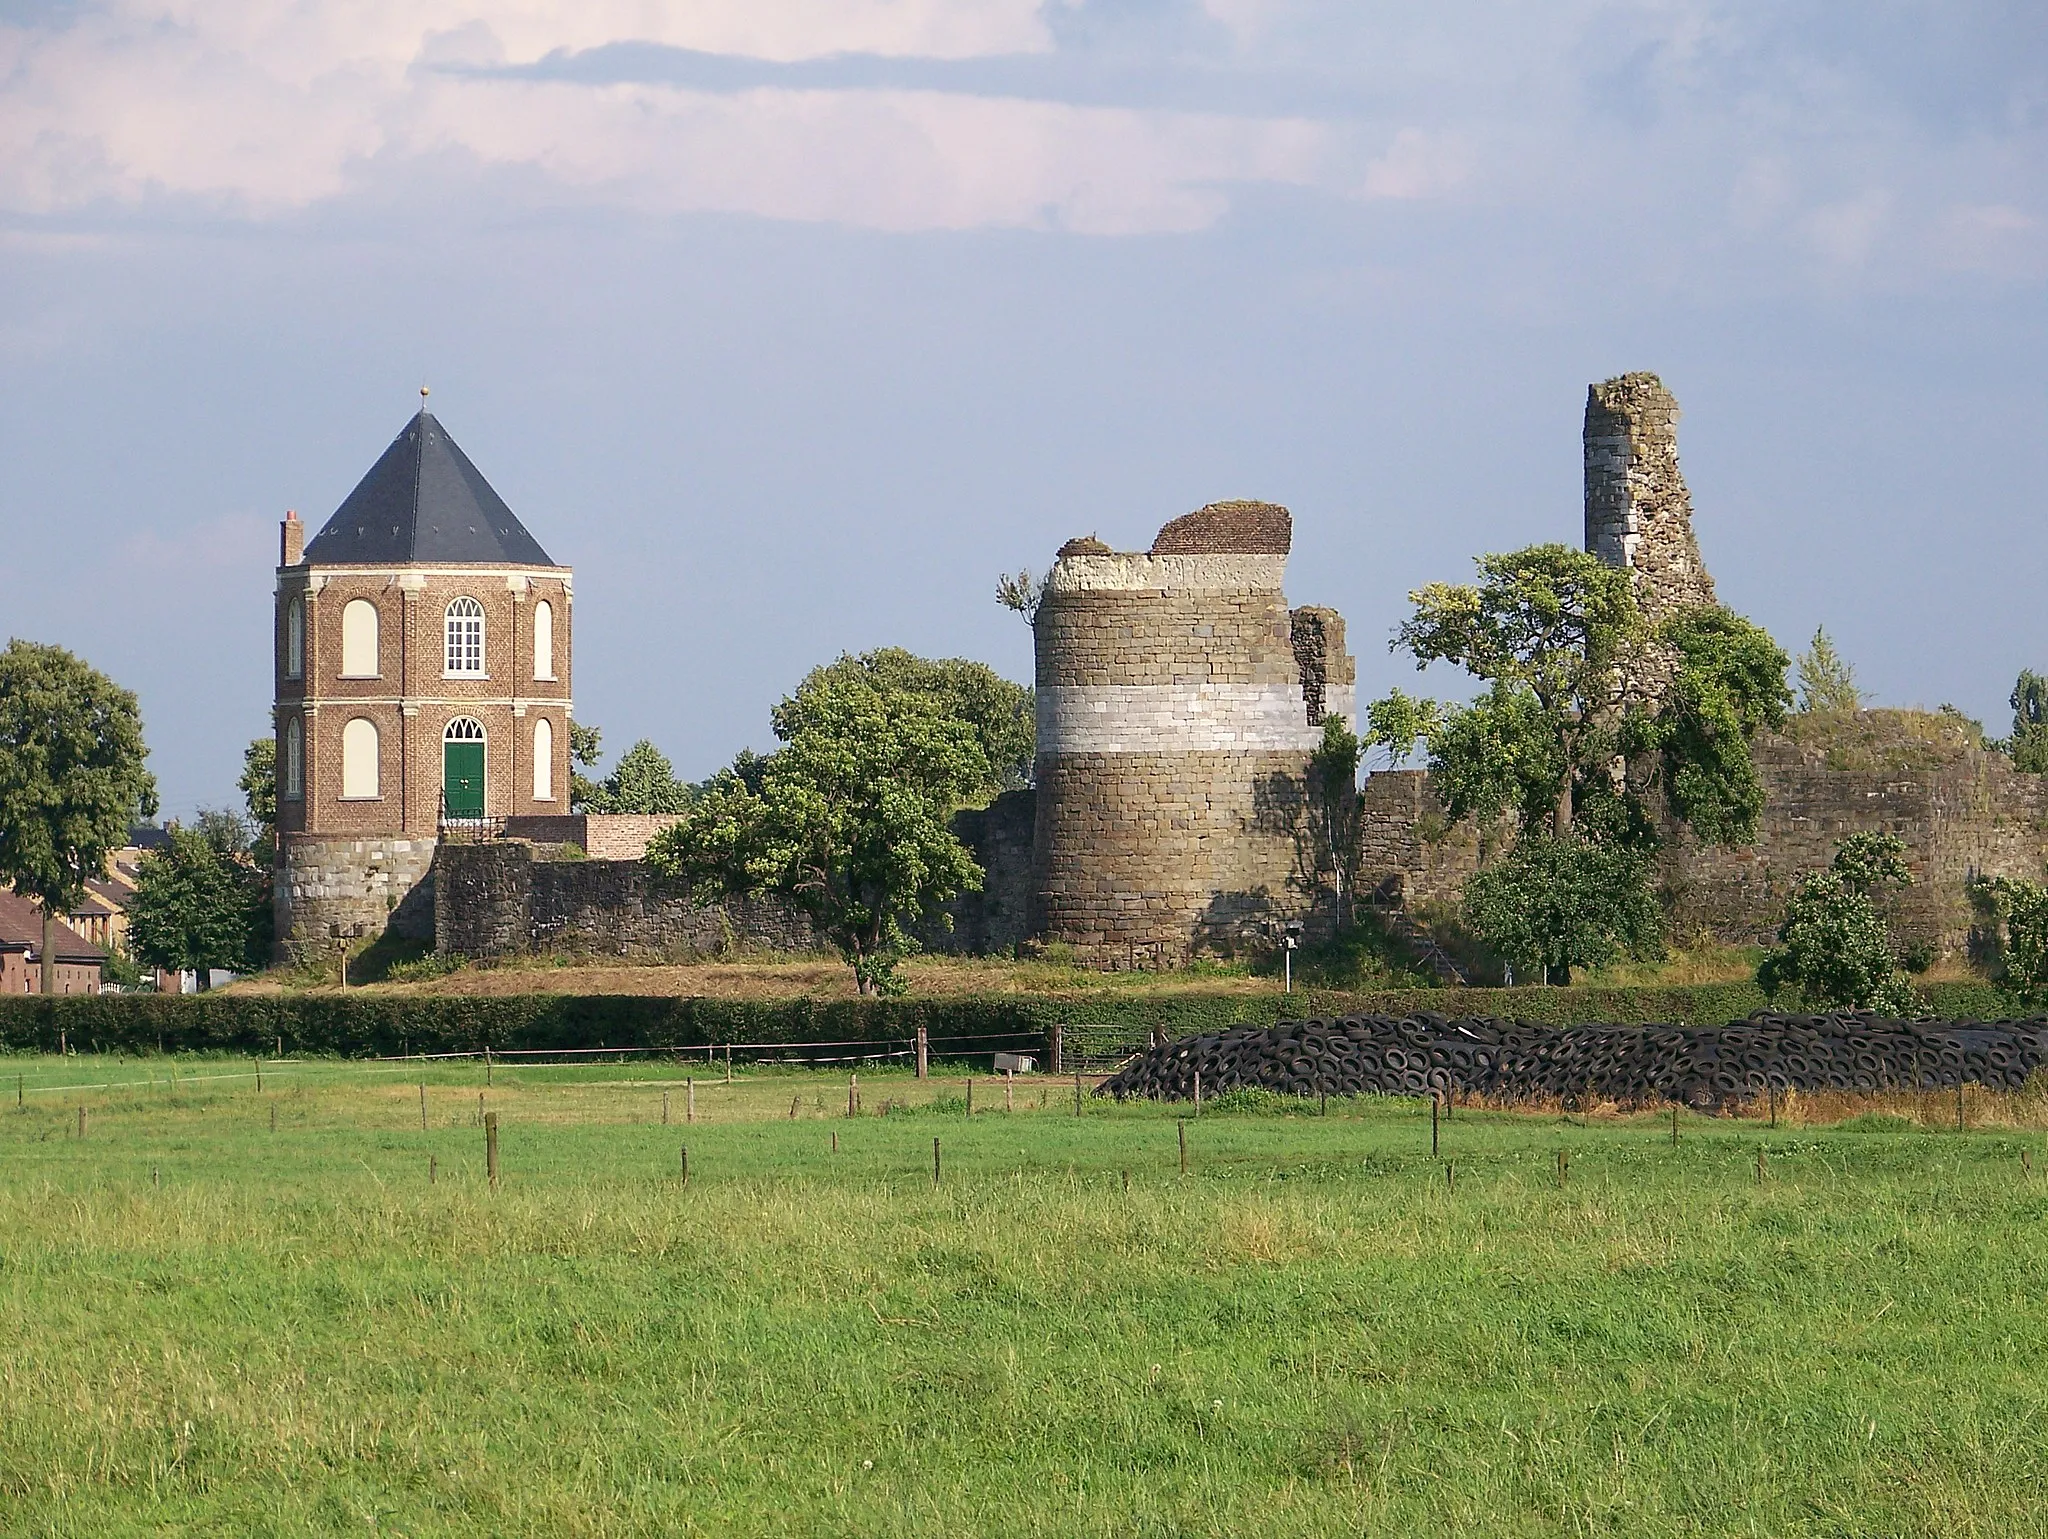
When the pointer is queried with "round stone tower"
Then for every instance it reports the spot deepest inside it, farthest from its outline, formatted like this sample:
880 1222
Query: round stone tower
1178 702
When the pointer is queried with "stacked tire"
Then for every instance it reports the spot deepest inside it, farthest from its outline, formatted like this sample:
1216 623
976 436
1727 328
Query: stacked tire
1499 1059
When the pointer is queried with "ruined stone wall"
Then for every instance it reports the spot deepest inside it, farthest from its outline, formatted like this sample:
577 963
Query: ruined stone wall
996 920
328 890
493 899
1409 852
1638 511
600 835
1173 734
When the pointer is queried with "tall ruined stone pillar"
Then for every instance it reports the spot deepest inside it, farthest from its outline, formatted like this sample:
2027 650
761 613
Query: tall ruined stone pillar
1178 702
1638 512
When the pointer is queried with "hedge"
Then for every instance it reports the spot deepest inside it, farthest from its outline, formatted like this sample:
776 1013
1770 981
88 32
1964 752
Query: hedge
370 1024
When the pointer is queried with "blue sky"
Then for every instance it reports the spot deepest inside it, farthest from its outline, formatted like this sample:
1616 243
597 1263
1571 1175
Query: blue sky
792 323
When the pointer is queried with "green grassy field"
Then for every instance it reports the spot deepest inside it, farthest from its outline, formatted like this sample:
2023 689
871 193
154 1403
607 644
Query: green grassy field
207 1326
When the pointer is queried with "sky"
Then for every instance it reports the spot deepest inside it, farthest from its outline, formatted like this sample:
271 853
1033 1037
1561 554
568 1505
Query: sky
792 324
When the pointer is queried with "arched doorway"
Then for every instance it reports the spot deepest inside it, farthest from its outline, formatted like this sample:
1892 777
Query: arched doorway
462 768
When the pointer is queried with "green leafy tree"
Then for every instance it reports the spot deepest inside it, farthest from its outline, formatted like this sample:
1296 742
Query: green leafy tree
258 785
1834 950
1334 812
1549 628
642 781
1022 593
1728 686
2028 744
1560 904
2021 910
1826 682
584 751
1398 722
198 901
72 779
848 820
1002 715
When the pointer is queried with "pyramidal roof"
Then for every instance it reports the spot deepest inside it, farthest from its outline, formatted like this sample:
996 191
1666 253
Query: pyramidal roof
423 501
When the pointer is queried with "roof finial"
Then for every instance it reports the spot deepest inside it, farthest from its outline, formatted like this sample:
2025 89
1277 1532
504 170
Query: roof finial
423 400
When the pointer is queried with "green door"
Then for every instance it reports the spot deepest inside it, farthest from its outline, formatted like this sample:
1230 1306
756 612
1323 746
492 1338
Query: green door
462 779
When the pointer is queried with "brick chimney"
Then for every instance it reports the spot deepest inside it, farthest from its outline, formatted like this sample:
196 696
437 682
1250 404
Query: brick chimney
291 540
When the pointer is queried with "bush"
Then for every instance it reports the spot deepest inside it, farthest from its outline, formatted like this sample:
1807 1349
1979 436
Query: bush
371 1025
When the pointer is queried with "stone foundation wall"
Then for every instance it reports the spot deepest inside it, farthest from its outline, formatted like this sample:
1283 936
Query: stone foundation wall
494 899
328 890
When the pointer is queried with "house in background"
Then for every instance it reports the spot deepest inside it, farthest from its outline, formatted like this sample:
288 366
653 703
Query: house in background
21 952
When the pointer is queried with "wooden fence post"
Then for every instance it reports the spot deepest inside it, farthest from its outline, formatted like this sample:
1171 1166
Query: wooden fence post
853 1095
273 1116
686 1164
1009 1090
487 1063
1198 1092
1077 1092
664 1108
1432 1123
81 1122
935 1162
923 1053
1183 1147
1674 1127
689 1100
423 1106
1055 1047
491 1148
970 1095
728 1063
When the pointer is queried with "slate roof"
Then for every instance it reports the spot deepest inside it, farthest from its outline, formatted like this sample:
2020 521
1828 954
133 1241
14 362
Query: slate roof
423 501
21 929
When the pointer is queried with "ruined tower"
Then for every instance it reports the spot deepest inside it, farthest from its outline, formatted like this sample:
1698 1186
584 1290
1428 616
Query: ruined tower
1178 702
1638 512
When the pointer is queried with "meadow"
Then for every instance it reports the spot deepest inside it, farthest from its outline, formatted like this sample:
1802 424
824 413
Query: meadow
296 1310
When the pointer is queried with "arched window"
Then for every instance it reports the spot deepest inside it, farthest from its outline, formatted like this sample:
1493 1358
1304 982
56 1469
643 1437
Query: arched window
543 640
466 639
359 760
543 759
359 639
295 638
462 768
294 768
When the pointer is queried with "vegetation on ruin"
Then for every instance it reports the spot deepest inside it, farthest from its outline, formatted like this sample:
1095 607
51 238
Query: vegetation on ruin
1834 949
1827 684
2028 744
72 780
1593 723
2016 930
1820 1329
849 820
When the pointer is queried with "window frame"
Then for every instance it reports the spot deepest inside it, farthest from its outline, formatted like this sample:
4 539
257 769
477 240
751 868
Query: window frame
471 619
376 792
376 639
295 636
291 781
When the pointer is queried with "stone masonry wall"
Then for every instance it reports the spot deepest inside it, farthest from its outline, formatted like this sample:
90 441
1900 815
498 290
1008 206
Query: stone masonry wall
327 890
600 835
1178 702
494 899
1638 511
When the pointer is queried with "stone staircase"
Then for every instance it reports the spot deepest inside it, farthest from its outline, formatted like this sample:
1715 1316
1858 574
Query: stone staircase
1418 942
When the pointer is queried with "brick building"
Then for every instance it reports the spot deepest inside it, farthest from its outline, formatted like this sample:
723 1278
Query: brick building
21 952
422 660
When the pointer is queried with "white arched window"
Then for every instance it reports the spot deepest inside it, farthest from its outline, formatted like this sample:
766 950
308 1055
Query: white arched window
293 770
466 639
543 640
295 638
359 760
543 761
359 639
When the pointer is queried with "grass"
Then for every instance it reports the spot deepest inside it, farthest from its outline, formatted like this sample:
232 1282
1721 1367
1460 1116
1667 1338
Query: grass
210 1327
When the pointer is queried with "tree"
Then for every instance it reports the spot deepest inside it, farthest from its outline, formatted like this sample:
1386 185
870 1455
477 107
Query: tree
258 785
1334 811
848 820
2028 744
1002 715
197 902
584 751
72 780
1587 714
1826 682
1022 593
1549 628
1834 950
1728 686
642 781
1561 904
2021 912
1397 722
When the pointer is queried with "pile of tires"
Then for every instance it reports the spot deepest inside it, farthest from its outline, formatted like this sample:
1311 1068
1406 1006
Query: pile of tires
1506 1060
